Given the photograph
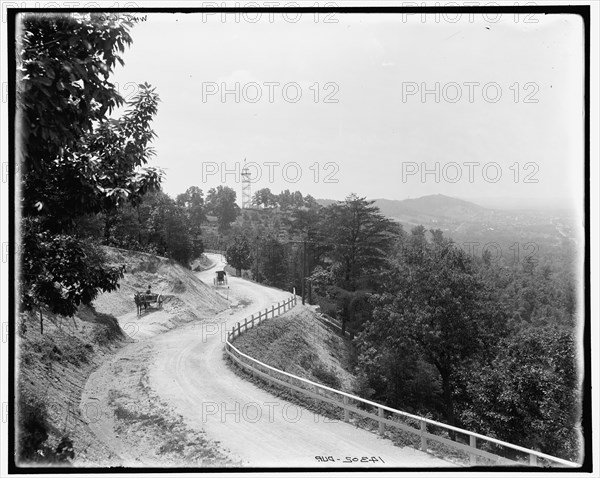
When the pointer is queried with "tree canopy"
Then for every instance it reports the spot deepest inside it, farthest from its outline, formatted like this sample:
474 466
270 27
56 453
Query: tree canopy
239 254
76 160
221 203
360 236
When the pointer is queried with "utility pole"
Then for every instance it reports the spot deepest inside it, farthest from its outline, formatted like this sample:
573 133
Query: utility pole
256 274
303 270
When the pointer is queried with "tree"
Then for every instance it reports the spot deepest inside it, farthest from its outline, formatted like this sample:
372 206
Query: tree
310 202
272 263
193 202
265 198
285 199
79 161
239 254
360 236
298 200
529 394
76 161
168 227
65 63
435 303
396 372
221 203
62 272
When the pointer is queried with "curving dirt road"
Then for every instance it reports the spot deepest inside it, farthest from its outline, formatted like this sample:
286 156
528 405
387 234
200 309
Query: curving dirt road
185 368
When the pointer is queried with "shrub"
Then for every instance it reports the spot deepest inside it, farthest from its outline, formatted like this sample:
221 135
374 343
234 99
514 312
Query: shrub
33 427
326 376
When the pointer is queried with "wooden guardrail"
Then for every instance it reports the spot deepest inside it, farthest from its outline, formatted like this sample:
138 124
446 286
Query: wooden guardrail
249 322
331 323
385 416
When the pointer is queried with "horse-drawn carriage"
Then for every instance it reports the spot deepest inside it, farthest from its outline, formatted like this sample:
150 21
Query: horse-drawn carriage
220 278
144 300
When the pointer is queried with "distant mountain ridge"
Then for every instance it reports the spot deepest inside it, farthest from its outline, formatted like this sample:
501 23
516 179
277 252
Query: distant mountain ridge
432 207
468 223
437 205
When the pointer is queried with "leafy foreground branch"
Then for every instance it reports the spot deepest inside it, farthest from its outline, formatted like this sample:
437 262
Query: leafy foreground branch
76 160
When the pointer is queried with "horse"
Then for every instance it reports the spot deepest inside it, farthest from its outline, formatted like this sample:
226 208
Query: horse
140 301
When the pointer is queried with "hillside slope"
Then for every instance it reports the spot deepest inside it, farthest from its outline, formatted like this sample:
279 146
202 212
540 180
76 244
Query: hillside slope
187 298
53 367
297 343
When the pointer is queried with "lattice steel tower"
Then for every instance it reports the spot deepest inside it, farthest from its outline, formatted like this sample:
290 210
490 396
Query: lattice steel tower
246 192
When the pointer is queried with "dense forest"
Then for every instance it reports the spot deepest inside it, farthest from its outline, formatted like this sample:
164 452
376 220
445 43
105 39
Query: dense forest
486 346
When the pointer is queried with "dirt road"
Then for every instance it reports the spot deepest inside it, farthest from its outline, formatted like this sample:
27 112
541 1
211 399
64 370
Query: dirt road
184 370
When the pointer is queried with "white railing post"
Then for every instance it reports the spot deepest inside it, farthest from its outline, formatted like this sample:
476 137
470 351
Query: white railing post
273 311
381 424
423 437
346 411
473 444
533 460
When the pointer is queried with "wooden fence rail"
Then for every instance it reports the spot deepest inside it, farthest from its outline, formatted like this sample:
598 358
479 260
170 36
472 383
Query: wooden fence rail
385 416
251 321
324 319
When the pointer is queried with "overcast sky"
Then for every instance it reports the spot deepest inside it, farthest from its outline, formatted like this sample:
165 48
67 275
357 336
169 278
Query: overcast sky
361 123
